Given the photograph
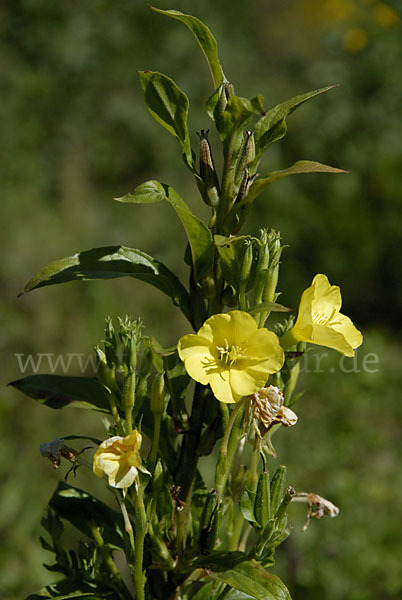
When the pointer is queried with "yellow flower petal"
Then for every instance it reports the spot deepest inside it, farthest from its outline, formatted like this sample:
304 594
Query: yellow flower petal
231 354
320 322
118 458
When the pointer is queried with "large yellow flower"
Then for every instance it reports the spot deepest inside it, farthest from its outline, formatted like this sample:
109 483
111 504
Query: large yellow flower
118 458
320 322
232 355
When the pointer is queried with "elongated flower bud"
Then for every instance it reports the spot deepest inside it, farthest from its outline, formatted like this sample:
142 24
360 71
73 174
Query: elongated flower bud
271 281
207 171
262 266
246 157
158 394
262 500
247 263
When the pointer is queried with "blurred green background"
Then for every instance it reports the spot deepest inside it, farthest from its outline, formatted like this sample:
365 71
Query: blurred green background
75 134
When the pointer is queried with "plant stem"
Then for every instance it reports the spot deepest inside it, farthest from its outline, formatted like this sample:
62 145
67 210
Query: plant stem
107 556
238 527
155 441
187 466
225 458
140 531
115 413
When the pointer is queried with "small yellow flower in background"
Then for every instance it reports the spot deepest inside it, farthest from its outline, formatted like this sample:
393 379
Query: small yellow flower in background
385 15
118 458
355 40
320 322
232 355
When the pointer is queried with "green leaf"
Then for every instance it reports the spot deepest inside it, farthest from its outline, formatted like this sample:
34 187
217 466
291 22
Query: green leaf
149 192
111 262
59 391
168 104
81 509
247 506
268 306
63 590
205 39
198 234
251 578
300 167
272 126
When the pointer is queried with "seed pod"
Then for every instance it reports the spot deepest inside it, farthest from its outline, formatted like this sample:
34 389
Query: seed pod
277 488
207 171
262 500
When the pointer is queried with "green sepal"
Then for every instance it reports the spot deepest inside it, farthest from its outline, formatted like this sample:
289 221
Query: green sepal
198 234
205 39
300 167
59 391
168 104
111 262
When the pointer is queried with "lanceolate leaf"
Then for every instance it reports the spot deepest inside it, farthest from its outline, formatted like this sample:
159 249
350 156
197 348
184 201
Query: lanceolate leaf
272 126
198 234
59 391
301 166
271 306
168 104
111 262
251 578
205 39
66 589
85 511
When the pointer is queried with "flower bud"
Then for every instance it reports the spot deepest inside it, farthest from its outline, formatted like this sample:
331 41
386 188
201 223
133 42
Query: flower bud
207 171
246 263
106 373
262 500
246 157
277 488
262 266
275 250
158 394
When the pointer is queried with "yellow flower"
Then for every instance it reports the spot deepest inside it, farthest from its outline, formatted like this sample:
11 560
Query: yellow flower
118 458
320 322
232 355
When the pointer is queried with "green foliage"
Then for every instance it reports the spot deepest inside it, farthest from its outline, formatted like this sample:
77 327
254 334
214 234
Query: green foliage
60 160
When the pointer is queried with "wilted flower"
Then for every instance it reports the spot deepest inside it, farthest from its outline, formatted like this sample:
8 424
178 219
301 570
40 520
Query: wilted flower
56 450
320 322
232 355
268 408
119 458
317 506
